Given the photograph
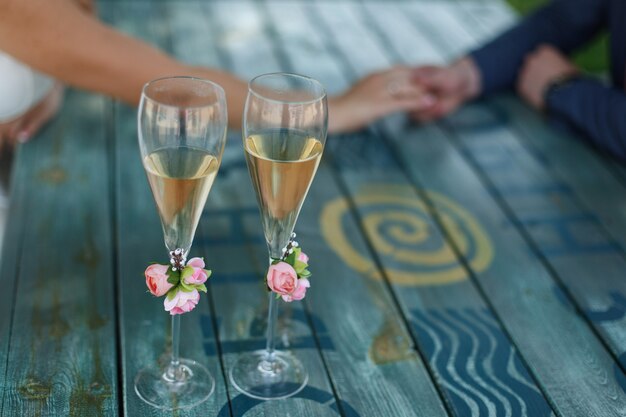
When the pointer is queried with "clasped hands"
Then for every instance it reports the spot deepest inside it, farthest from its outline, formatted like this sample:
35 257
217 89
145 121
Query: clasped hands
446 88
431 92
426 93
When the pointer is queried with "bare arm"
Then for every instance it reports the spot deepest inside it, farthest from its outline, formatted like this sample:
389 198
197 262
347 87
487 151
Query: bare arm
60 39
63 40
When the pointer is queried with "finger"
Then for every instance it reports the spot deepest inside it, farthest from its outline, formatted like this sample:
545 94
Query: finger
13 132
404 90
417 104
35 119
16 133
439 109
425 71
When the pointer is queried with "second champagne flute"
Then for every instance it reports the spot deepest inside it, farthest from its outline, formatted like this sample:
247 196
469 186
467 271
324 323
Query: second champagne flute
284 130
182 131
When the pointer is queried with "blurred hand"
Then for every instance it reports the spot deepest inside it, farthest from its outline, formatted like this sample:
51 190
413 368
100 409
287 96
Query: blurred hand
373 97
445 88
23 128
541 68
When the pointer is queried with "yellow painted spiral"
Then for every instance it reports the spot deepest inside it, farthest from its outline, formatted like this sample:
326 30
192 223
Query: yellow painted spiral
398 225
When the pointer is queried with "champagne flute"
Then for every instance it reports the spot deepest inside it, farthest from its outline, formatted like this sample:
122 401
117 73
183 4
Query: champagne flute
182 131
284 130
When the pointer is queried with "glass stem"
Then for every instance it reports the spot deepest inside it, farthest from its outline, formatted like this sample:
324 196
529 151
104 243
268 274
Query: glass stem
174 371
267 365
272 317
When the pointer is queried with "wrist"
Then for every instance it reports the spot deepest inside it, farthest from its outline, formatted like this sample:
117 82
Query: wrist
559 85
560 82
336 115
468 77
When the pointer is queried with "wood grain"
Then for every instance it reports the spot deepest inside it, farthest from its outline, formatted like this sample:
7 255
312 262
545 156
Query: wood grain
440 309
144 325
544 301
61 357
230 237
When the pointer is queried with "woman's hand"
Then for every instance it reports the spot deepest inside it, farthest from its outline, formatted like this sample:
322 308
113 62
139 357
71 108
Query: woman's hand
23 128
373 97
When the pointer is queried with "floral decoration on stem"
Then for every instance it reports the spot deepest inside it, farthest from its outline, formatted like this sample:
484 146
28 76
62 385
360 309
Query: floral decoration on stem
180 282
288 276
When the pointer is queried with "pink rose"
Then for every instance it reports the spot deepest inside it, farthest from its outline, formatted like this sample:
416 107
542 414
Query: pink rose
283 280
156 279
198 276
183 302
196 263
299 292
302 257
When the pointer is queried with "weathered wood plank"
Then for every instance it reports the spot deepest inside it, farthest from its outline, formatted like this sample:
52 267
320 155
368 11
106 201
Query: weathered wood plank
145 327
395 376
576 225
231 239
9 265
61 357
538 296
448 314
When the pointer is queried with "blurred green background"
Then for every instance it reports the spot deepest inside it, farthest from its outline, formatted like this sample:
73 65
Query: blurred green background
593 58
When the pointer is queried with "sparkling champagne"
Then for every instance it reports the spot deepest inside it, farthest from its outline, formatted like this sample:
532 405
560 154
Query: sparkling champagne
282 165
181 179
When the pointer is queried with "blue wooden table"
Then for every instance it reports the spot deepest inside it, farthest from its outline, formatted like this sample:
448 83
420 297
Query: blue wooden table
472 267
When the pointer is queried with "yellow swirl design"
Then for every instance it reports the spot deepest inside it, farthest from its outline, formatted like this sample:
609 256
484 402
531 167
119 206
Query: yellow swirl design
398 226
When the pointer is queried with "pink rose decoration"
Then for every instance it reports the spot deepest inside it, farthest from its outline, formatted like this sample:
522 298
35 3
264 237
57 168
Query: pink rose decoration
302 257
299 292
196 263
199 276
156 279
183 302
283 280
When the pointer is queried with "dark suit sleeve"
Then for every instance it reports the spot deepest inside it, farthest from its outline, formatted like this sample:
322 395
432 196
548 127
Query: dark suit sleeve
565 24
597 111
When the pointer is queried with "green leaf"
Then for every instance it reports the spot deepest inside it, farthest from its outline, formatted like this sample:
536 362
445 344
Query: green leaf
304 274
172 293
186 287
201 287
291 259
187 272
208 273
277 296
299 266
173 277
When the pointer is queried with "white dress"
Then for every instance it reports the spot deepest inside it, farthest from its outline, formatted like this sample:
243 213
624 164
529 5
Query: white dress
21 88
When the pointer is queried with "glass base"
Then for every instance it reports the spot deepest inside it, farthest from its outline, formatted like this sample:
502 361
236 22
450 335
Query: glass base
257 377
192 386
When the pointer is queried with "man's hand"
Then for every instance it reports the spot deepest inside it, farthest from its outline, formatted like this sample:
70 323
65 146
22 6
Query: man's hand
542 67
23 128
446 88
